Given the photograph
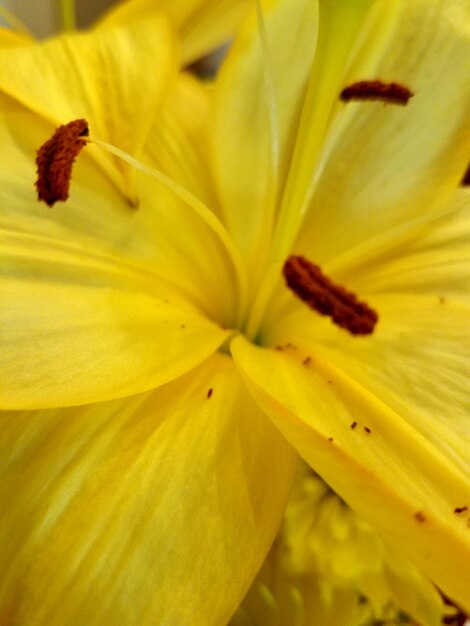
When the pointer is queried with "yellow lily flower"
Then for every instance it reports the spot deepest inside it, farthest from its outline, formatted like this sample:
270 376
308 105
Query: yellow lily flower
159 379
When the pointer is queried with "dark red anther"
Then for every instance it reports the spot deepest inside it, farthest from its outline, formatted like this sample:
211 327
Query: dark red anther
55 159
392 93
309 284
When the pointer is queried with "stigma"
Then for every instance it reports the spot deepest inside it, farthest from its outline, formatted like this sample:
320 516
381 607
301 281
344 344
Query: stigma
55 160
307 282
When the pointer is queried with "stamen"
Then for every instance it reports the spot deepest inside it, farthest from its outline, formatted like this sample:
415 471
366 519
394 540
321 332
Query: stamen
308 283
55 159
391 93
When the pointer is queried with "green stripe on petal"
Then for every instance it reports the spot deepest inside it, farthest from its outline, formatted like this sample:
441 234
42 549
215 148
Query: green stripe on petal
392 476
157 509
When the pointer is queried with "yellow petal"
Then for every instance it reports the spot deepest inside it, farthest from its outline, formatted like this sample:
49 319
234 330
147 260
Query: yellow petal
417 363
154 510
432 258
202 25
257 100
393 476
11 38
65 344
115 78
177 142
390 164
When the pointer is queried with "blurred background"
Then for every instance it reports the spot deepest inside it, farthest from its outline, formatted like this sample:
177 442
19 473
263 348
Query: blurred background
43 17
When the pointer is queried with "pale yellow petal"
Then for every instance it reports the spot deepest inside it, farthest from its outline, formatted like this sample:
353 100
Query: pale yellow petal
386 164
391 475
64 344
177 142
431 258
257 103
154 510
202 25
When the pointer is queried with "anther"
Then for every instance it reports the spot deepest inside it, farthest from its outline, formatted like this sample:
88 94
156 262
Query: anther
309 284
55 159
390 93
466 178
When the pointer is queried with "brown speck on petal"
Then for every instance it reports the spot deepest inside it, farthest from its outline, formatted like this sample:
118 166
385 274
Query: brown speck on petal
55 159
460 509
367 429
420 517
390 93
309 284
353 425
210 392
